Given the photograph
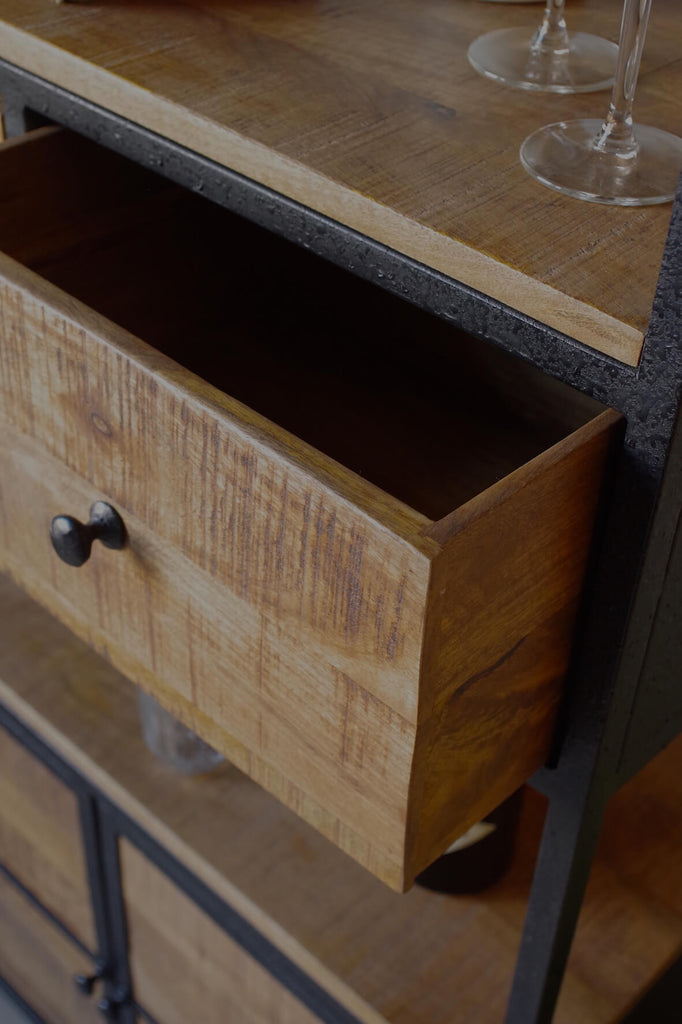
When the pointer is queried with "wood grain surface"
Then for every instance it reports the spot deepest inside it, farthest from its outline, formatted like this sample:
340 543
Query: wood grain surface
372 115
388 958
184 967
504 595
40 963
41 841
309 624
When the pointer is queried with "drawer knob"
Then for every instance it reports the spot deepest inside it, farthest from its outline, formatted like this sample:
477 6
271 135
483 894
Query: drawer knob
85 983
72 540
111 1006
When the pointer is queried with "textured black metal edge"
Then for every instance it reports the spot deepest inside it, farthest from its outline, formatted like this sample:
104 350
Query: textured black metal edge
660 416
622 605
21 1003
292 977
645 506
598 375
112 823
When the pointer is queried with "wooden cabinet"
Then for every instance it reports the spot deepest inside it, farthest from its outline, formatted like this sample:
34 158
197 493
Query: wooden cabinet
360 430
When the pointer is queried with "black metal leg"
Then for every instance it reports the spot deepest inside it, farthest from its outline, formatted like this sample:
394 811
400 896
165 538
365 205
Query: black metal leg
568 845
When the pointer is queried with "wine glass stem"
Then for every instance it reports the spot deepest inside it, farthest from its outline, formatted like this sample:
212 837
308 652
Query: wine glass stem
617 134
551 35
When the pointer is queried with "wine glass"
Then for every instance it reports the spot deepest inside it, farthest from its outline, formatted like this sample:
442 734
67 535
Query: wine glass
552 60
611 161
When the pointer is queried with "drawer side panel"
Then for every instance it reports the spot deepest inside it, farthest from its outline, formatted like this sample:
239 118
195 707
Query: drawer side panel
499 641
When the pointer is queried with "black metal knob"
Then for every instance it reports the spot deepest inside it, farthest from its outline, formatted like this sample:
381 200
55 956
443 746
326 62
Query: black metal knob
72 540
85 983
108 1008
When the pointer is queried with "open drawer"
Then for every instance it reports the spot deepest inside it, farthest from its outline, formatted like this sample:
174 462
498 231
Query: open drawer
361 583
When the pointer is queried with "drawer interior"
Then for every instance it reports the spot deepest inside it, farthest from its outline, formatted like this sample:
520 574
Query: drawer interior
403 399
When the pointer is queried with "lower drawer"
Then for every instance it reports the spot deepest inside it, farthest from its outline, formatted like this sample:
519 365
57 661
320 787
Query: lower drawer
356 538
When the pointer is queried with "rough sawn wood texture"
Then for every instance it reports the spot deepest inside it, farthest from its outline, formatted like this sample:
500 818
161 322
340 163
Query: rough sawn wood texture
389 676
371 114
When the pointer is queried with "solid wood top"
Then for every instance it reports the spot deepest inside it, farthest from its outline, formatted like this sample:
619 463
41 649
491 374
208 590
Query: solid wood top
371 114
388 958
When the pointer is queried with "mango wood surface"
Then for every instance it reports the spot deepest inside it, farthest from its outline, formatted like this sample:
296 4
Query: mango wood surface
41 841
371 114
184 967
388 958
40 963
316 626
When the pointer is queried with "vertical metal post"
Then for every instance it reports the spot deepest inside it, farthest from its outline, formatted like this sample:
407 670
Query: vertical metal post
119 988
636 544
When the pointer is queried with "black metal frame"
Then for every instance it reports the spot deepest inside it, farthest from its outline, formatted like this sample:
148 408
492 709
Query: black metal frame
615 672
119 825
31 898
86 795
104 825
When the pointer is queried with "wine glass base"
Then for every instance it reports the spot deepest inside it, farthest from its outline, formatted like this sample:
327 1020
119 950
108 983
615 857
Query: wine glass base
563 157
506 56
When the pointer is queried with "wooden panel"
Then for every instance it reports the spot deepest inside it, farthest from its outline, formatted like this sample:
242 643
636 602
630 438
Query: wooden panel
266 728
45 216
184 967
509 581
371 114
40 838
40 963
388 958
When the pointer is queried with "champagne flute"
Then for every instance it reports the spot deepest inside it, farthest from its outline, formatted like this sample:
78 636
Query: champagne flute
611 161
552 60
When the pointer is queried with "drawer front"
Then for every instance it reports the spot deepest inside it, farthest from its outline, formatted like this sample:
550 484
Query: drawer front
41 841
184 967
40 963
389 677
272 615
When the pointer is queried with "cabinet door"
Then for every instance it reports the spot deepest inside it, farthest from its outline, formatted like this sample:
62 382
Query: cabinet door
185 968
41 841
39 962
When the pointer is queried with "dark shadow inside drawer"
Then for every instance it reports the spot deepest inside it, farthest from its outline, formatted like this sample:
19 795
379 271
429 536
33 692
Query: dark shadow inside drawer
402 398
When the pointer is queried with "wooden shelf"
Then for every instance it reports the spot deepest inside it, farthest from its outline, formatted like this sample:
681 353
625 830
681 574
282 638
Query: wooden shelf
403 959
371 114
